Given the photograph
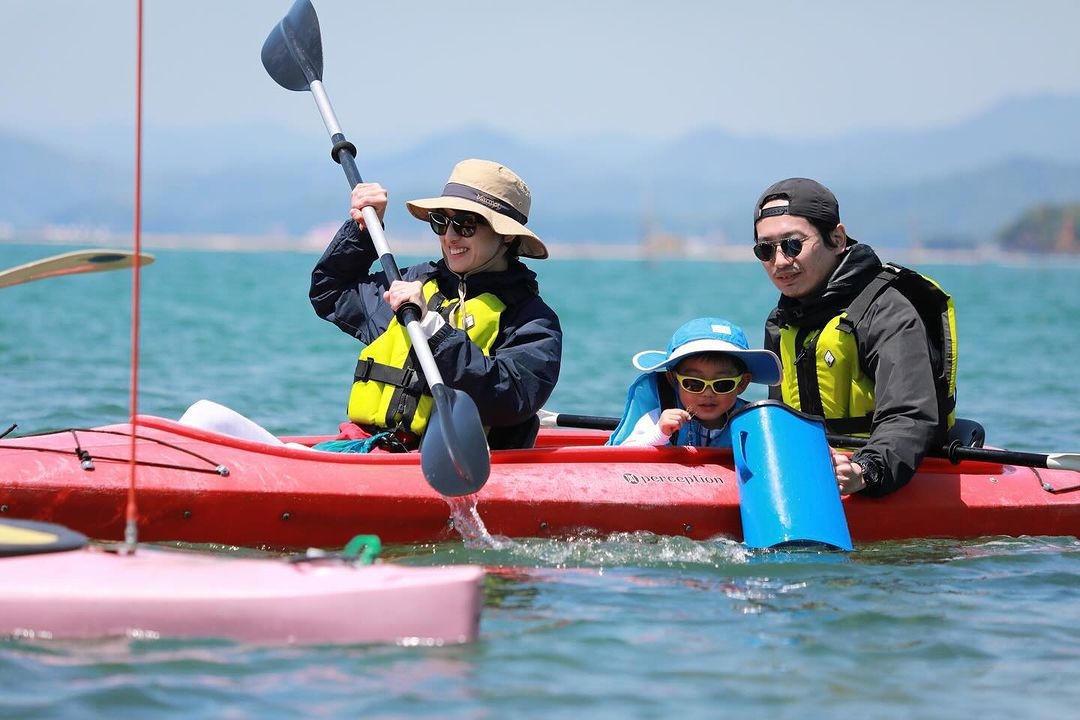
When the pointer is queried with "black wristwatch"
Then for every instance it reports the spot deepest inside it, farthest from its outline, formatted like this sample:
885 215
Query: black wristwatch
871 473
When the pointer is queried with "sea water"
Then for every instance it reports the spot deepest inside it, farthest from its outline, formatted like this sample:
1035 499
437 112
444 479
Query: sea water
624 626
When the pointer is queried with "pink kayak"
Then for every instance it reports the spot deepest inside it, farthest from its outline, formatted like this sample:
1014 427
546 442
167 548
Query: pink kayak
89 592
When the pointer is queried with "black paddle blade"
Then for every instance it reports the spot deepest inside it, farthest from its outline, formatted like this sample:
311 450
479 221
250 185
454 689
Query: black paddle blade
29 537
454 452
292 53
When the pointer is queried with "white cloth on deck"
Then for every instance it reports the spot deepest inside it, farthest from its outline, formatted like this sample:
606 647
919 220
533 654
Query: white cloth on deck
212 416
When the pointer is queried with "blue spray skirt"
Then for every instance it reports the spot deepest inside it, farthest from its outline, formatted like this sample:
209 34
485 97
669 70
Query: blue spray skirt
788 494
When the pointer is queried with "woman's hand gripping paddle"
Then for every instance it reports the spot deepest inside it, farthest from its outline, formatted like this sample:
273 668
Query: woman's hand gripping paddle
454 452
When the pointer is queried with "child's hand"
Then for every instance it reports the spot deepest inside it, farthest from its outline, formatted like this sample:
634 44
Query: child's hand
672 420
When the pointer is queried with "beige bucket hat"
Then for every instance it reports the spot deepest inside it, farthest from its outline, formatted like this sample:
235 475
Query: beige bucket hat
492 191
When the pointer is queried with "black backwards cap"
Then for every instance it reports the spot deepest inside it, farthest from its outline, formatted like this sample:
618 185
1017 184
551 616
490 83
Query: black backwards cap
806 198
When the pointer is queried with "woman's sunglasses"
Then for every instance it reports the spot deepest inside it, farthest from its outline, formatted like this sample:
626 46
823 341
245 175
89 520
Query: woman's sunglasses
791 247
720 386
465 224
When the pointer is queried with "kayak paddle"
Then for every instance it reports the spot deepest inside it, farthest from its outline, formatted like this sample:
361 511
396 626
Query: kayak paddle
30 537
72 263
1052 461
454 452
586 422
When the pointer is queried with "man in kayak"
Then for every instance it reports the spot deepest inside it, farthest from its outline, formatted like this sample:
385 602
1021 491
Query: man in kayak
876 379
685 395
491 334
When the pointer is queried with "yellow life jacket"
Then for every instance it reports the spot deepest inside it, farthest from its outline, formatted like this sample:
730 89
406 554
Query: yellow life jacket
822 373
832 377
388 388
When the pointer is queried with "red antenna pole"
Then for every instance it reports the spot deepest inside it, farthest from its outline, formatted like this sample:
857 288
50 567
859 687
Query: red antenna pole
131 530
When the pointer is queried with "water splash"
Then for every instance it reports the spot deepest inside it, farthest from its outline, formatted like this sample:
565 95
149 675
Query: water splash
466 520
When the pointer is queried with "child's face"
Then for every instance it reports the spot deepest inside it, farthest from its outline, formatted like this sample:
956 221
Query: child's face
708 405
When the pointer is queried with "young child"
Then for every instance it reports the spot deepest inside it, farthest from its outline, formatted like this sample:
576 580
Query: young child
686 395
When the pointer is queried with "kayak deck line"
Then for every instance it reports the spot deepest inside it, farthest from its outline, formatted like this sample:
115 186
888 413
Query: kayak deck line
88 461
283 496
553 445
1050 488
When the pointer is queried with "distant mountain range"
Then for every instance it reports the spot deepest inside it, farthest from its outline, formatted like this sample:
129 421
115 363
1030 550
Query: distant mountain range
962 183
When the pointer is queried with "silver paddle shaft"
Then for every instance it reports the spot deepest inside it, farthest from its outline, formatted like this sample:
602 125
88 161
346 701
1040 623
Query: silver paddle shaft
378 237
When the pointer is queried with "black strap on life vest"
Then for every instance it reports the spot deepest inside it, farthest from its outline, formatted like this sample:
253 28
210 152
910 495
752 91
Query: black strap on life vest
850 425
408 385
406 377
858 307
920 292
805 363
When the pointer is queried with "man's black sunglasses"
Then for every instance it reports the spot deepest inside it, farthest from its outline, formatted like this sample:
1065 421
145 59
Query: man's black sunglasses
791 247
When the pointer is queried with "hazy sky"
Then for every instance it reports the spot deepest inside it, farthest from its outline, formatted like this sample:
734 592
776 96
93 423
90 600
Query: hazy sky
547 69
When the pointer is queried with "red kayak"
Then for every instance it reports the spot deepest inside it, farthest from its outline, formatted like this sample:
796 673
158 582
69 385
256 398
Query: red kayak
202 487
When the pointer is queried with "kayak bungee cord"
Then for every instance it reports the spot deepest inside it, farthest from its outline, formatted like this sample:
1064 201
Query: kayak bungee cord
87 460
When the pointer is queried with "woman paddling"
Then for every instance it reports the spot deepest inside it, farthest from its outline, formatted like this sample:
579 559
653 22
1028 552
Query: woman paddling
491 334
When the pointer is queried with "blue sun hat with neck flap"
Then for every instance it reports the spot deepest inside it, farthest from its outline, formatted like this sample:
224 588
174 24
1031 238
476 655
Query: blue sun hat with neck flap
711 334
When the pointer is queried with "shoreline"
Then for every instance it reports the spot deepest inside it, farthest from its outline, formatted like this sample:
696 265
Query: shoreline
314 243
